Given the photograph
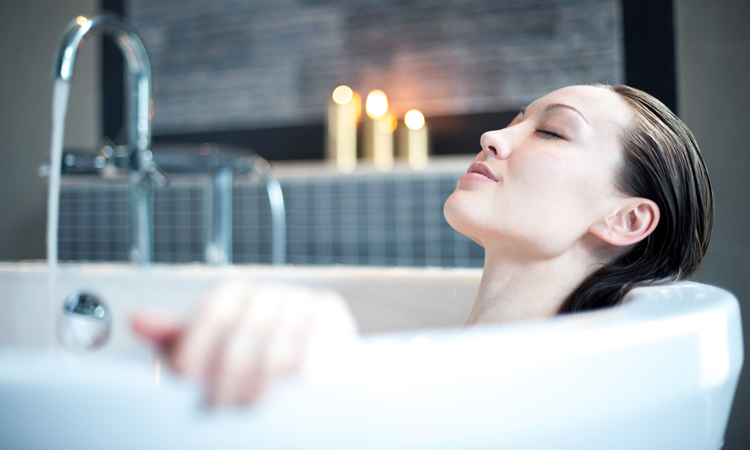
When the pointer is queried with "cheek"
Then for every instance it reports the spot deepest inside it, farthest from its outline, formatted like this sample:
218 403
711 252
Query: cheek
555 205
562 186
544 205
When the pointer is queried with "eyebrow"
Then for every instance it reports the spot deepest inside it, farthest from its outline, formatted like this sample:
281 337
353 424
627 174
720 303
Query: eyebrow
561 105
557 105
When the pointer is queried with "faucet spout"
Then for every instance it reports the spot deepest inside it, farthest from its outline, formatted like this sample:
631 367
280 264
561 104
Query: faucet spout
138 115
138 66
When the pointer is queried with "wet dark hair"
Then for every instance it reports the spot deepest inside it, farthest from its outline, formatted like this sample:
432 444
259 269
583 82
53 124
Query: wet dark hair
662 163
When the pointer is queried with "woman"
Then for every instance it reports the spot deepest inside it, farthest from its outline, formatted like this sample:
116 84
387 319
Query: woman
589 192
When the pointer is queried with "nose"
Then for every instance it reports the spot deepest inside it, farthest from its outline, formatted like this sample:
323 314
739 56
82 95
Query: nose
497 144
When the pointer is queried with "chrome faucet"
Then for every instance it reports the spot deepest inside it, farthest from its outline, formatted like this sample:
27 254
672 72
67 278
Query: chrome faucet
219 210
261 167
143 171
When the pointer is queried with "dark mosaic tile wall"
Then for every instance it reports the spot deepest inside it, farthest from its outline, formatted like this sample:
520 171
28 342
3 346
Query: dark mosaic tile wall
240 64
94 222
384 220
180 223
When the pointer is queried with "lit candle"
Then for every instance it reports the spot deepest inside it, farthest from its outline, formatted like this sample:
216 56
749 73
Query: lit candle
378 131
343 113
413 140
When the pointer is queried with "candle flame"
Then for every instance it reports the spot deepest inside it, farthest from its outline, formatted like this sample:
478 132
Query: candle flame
414 119
80 20
342 95
376 104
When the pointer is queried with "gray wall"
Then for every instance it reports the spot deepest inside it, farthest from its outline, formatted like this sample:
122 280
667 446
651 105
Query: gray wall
29 31
713 47
225 65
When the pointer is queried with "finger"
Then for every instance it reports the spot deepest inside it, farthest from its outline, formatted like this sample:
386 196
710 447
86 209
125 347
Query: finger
196 350
160 327
287 345
238 377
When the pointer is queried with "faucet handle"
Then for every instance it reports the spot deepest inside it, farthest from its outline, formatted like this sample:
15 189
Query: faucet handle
159 176
156 173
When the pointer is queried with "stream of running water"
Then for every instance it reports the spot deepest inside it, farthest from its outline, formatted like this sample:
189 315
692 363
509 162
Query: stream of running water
59 108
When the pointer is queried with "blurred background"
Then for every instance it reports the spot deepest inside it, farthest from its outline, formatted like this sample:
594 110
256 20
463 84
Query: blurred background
258 74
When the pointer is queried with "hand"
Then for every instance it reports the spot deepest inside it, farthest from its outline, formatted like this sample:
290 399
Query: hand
245 336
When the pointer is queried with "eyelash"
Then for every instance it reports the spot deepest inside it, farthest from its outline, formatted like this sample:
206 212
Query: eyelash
549 133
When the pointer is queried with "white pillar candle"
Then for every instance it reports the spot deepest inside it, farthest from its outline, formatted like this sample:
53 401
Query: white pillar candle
413 140
378 131
343 113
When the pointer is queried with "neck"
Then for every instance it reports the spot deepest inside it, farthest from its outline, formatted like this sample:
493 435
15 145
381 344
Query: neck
513 290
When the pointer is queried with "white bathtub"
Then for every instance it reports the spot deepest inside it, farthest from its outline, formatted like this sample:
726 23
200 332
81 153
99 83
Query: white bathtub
658 372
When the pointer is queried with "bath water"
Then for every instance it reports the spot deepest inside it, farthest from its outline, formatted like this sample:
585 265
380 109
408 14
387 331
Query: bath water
59 108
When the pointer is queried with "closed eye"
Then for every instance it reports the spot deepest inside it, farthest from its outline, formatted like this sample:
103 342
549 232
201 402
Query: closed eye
549 134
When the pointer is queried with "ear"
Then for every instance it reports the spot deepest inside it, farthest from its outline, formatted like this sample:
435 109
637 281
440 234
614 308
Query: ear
634 220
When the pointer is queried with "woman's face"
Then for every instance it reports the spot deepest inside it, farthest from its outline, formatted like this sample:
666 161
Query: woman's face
539 185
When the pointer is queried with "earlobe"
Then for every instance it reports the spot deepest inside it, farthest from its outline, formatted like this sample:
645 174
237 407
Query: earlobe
633 221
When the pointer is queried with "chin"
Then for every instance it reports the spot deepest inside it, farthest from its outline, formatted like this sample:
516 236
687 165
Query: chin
456 211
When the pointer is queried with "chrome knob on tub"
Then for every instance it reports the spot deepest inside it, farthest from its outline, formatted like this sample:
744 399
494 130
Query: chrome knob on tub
85 322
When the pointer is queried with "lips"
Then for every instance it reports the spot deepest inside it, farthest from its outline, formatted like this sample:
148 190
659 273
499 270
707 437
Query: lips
482 169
